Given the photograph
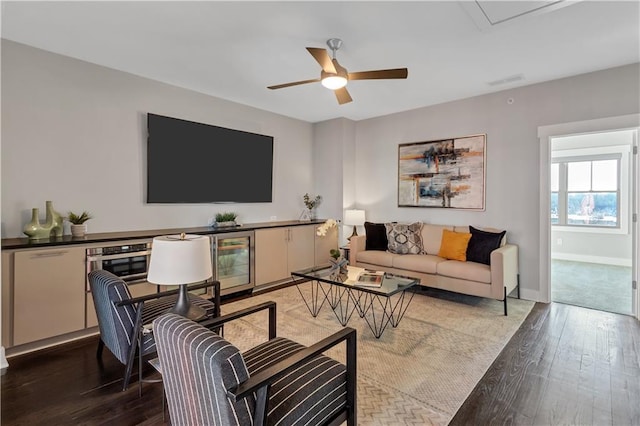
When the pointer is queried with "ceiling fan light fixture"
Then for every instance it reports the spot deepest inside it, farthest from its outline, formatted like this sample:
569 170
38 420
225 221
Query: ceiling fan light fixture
334 82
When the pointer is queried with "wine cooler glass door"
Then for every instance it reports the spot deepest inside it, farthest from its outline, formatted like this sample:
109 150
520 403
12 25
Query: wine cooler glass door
233 261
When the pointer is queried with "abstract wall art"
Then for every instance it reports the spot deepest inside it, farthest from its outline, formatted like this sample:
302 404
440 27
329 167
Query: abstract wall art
447 173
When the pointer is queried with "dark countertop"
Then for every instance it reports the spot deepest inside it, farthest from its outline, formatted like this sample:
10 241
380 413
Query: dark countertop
22 243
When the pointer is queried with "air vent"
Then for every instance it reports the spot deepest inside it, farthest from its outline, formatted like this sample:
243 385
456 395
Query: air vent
506 80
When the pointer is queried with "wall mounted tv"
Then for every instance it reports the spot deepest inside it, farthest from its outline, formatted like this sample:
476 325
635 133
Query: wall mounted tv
190 162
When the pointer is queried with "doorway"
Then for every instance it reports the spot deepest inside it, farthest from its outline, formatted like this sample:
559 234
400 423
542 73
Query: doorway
589 233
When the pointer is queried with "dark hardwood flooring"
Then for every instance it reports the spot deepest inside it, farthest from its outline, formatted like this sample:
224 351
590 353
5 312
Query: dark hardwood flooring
565 365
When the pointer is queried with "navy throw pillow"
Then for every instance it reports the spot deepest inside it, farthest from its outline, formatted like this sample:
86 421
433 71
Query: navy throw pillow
376 236
481 244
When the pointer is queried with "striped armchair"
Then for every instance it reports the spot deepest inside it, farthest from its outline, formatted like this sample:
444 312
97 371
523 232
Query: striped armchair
208 381
121 317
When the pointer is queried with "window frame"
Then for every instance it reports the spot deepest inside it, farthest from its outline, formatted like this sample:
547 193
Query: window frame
563 185
621 153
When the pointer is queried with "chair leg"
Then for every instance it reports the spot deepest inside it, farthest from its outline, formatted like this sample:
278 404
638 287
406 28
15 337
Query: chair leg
140 357
135 337
129 367
100 348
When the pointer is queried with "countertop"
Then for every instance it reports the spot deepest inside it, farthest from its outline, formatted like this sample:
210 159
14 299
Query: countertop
25 243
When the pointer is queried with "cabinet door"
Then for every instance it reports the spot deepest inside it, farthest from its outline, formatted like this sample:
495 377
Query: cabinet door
49 293
7 309
271 255
301 247
325 244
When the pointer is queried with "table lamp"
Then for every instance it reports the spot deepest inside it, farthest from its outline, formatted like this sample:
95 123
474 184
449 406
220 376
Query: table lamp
355 218
181 260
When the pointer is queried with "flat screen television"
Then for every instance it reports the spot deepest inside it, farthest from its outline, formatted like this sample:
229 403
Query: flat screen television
190 162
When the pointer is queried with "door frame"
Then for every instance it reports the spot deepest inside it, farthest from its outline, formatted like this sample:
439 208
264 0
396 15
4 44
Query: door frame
545 133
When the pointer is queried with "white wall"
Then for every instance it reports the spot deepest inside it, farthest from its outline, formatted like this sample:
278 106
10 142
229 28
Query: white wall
512 181
75 133
334 175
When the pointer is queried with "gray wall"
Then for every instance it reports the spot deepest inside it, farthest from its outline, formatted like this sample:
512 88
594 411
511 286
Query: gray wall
75 133
512 180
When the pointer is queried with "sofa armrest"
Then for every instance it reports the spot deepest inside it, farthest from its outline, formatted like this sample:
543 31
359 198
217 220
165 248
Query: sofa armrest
504 270
357 244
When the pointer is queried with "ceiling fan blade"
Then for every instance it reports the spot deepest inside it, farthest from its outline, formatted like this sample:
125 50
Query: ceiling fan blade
379 74
323 59
343 95
295 83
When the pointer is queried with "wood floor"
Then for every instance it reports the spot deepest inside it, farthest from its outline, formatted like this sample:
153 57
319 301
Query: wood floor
566 365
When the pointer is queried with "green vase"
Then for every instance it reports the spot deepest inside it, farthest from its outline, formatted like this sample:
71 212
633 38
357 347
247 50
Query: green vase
53 220
34 229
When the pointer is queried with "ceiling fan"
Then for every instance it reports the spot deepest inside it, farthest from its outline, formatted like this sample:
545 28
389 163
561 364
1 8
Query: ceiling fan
335 77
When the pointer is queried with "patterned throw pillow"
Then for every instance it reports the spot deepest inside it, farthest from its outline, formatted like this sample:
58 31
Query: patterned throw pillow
403 238
454 245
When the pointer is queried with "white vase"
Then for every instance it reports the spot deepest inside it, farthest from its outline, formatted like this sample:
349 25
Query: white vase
78 230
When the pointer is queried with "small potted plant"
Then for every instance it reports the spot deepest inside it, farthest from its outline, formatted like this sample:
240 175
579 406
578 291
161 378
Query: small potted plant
225 219
78 225
310 203
335 253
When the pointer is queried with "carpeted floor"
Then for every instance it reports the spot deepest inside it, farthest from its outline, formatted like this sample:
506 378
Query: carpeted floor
418 373
592 285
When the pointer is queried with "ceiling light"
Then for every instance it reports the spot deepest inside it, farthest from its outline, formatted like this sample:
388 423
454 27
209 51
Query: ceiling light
334 81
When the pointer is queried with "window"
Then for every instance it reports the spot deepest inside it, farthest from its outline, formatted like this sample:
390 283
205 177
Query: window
585 191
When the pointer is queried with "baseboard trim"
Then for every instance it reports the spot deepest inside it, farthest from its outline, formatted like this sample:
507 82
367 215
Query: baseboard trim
616 261
533 295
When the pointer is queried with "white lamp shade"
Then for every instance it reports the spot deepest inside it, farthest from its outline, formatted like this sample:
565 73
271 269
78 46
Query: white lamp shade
354 217
177 261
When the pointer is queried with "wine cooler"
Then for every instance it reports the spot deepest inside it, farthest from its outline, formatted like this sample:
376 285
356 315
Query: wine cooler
233 260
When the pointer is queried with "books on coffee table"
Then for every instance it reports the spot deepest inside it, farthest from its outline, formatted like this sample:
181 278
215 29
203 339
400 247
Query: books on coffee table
370 279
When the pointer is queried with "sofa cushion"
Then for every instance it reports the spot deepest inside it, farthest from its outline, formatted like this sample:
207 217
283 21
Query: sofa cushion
404 238
425 263
376 236
376 257
454 245
432 237
471 271
481 245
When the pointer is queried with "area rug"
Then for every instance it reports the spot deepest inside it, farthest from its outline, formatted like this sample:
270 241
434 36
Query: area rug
418 373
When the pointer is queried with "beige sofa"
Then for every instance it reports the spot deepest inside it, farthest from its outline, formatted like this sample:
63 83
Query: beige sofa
495 281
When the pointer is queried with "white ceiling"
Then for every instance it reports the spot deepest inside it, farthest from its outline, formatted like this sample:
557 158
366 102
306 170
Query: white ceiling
234 50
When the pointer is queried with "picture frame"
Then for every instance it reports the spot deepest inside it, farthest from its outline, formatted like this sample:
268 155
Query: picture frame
446 173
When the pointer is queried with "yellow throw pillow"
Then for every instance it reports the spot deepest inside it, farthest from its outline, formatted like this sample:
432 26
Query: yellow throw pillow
454 245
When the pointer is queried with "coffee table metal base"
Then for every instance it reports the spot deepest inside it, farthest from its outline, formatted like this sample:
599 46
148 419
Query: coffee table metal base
380 311
377 310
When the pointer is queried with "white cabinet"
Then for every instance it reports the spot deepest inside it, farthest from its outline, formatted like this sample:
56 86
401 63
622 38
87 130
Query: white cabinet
49 293
282 250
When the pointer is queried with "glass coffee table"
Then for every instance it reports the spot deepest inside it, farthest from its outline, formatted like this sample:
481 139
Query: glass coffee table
380 305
